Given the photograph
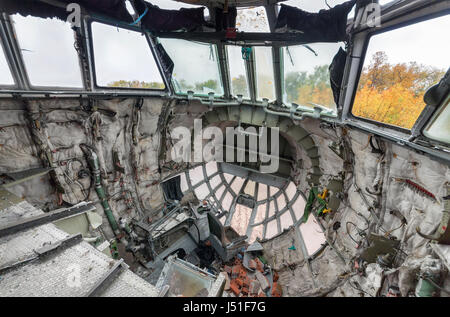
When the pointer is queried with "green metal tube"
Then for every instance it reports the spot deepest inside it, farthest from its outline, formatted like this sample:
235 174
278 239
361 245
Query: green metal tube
92 159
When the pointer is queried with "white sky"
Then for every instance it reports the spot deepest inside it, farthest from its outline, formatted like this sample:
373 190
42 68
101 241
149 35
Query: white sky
122 55
426 43
51 59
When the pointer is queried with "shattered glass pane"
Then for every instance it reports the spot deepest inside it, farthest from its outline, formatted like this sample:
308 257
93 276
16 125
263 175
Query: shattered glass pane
306 74
238 74
190 57
48 51
265 82
252 20
131 66
5 73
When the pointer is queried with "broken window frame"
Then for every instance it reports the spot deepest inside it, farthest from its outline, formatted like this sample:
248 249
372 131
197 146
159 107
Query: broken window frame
25 72
89 23
367 35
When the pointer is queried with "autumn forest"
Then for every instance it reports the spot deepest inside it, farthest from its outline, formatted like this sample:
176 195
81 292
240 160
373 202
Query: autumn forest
388 93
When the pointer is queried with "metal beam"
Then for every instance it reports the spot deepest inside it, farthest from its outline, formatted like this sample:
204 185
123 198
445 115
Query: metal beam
224 67
244 38
107 279
31 222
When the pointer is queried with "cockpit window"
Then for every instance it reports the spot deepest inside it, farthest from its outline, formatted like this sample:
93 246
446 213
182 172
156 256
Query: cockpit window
306 74
5 73
252 19
439 127
196 67
398 70
265 82
132 64
48 51
238 74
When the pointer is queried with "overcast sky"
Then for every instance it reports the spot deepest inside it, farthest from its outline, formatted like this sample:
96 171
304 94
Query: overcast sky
120 54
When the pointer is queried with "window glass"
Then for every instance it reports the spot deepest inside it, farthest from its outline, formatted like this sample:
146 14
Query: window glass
306 74
48 51
439 127
265 84
196 66
398 70
129 65
5 73
252 20
238 74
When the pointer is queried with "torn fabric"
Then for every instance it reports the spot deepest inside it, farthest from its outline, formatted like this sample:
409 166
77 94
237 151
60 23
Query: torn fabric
325 26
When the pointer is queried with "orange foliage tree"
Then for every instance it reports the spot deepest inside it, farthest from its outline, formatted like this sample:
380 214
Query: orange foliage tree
393 94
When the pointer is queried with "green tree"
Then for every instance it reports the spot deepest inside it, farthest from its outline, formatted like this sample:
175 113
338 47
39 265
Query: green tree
136 84
239 85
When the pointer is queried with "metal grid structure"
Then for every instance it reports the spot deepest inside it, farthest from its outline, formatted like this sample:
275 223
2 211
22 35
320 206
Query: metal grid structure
45 261
276 207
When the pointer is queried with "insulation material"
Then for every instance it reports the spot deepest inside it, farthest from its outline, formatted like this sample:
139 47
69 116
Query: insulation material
156 19
112 8
62 126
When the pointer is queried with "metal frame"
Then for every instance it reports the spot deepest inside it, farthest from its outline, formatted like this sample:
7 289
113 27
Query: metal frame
90 44
397 15
393 15
227 215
